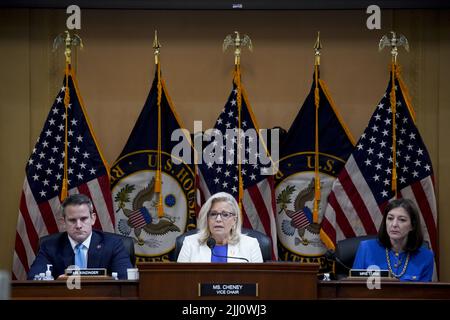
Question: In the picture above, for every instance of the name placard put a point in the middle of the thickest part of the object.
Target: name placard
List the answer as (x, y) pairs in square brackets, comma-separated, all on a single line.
[(228, 289), (88, 272), (363, 273)]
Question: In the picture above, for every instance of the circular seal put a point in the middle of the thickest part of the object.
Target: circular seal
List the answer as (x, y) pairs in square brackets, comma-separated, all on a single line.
[(297, 231), (136, 202)]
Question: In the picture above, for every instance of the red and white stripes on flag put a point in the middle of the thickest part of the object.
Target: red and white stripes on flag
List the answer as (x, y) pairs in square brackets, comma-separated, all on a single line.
[(219, 169), (364, 186), (139, 218), (300, 220), (40, 205), (259, 210)]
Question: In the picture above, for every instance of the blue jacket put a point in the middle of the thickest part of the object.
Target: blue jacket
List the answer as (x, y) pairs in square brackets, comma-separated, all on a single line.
[(420, 266), (105, 251)]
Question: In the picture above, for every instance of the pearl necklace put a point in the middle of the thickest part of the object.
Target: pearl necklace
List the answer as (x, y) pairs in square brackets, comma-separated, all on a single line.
[(390, 268)]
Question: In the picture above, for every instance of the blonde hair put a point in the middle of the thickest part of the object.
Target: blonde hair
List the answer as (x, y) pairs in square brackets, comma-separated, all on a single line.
[(202, 221)]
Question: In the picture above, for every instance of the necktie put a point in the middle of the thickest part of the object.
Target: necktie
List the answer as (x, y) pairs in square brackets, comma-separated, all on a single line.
[(79, 256)]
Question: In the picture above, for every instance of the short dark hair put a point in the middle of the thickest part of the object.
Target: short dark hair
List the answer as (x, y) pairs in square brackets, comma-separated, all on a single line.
[(77, 200), (415, 236)]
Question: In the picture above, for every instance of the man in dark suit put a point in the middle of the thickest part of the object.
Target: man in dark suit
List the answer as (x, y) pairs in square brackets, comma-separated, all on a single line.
[(80, 245)]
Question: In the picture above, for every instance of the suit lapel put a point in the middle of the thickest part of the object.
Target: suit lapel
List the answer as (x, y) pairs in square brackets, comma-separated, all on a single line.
[(233, 251), (68, 256), (95, 250), (205, 253)]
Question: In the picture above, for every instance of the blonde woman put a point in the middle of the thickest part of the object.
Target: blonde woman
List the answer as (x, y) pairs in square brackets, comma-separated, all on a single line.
[(219, 237)]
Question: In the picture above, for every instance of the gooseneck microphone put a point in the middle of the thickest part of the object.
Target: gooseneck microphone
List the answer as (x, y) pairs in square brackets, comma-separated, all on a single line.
[(331, 255), (211, 243)]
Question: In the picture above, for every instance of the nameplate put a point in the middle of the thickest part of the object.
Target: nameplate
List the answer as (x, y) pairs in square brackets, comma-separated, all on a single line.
[(228, 289), (363, 273), (88, 272)]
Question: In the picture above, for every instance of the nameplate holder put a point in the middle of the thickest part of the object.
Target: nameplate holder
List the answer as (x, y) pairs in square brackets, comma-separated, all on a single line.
[(227, 289), (363, 273), (88, 272)]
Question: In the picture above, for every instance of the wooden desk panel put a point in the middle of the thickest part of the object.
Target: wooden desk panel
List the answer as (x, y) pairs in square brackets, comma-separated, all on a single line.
[(90, 290), (181, 288), (389, 290), (276, 281)]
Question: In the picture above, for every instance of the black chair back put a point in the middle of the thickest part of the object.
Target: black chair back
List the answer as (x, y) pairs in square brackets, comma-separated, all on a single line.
[(346, 252), (127, 243), (265, 243)]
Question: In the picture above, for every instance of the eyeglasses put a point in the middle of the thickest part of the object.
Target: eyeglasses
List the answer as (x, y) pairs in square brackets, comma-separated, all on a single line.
[(224, 214)]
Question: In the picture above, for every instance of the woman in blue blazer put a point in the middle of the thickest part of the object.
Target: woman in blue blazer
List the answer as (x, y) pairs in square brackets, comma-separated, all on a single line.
[(399, 247)]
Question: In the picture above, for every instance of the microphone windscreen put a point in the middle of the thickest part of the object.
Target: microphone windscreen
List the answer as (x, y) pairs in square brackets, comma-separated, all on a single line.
[(211, 243)]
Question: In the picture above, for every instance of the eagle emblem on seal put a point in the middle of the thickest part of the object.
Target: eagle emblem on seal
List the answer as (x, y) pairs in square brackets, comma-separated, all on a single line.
[(301, 217), (139, 217)]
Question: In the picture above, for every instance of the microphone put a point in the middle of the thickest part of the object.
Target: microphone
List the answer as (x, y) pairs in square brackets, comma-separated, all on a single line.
[(211, 243), (331, 255)]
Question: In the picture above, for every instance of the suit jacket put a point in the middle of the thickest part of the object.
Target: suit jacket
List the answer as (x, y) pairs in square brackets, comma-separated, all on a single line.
[(105, 251), (193, 251)]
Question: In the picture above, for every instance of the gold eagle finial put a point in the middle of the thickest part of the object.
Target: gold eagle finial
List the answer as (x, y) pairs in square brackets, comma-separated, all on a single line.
[(238, 42), (394, 42), (68, 41)]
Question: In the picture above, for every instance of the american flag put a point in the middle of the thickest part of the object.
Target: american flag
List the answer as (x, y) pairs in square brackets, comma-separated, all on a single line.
[(39, 209), (364, 186), (258, 202)]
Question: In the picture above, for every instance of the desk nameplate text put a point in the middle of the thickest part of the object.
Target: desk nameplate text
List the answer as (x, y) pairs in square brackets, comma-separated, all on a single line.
[(228, 289)]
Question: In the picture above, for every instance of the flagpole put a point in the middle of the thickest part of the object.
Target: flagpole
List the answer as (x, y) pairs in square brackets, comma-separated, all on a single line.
[(65, 182), (68, 41), (237, 64), (393, 100), (394, 43), (158, 180), (238, 142), (317, 48), (238, 42)]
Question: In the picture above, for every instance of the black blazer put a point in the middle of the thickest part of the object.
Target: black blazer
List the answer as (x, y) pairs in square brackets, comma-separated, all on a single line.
[(105, 251)]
